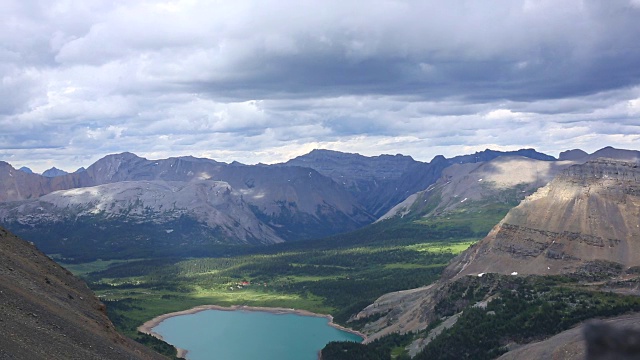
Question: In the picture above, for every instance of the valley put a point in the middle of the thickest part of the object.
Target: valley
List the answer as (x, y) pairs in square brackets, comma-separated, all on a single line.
[(424, 258), (394, 179), (332, 277)]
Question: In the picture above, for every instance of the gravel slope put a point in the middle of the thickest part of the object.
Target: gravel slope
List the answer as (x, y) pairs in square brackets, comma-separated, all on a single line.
[(47, 313)]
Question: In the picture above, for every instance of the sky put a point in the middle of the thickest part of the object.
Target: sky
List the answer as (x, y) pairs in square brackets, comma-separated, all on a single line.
[(268, 80)]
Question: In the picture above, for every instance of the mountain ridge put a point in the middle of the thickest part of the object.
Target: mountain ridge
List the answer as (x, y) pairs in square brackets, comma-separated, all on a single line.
[(584, 223), (401, 177), (319, 194), (559, 225)]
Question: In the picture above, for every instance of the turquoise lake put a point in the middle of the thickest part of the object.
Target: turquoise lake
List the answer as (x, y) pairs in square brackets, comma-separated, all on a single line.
[(250, 335)]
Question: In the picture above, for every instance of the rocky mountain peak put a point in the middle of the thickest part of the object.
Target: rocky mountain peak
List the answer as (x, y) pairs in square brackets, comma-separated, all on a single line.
[(108, 168), (489, 154), (602, 169), (620, 154), (54, 172), (438, 159), (591, 212), (575, 154)]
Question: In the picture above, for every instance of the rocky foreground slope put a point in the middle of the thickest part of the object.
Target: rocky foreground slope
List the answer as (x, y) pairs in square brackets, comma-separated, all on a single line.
[(617, 341), (47, 313)]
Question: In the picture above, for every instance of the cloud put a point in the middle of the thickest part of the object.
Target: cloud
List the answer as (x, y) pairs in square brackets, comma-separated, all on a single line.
[(257, 81)]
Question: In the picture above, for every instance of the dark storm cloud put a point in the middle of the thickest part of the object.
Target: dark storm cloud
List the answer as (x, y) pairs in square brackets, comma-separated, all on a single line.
[(164, 78), (510, 50)]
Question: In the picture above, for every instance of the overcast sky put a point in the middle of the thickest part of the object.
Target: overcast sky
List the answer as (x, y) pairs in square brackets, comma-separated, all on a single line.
[(266, 80)]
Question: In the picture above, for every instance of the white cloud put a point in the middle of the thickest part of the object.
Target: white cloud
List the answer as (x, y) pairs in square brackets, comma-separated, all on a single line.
[(501, 114), (261, 81), (634, 106)]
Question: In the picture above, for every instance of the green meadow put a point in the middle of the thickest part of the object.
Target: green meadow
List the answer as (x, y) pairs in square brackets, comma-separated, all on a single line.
[(339, 275), (338, 280)]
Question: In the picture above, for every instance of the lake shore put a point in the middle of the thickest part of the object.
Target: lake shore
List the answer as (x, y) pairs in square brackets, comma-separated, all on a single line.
[(148, 326)]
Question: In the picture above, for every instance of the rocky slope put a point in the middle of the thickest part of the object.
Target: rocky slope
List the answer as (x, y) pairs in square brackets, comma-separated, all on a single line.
[(381, 182), (571, 344), (589, 212), (219, 209), (295, 197), (265, 204), (47, 313), (503, 181), (585, 220), (378, 182)]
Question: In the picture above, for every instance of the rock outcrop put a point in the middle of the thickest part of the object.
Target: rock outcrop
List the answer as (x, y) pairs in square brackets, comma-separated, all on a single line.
[(505, 180), (590, 212), (211, 203)]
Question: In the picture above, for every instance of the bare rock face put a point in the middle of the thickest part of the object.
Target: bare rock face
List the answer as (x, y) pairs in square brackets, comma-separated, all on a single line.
[(262, 205), (381, 182), (575, 154), (47, 313), (503, 180), (590, 212), (212, 203), (400, 311)]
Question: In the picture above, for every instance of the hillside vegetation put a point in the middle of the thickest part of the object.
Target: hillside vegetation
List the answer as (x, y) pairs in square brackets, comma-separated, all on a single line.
[(338, 276)]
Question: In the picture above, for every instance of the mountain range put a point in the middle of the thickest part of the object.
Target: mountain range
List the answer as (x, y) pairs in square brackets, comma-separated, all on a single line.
[(576, 216), (151, 207)]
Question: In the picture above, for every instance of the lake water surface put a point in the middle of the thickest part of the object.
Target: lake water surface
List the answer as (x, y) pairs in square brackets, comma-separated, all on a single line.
[(250, 335)]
